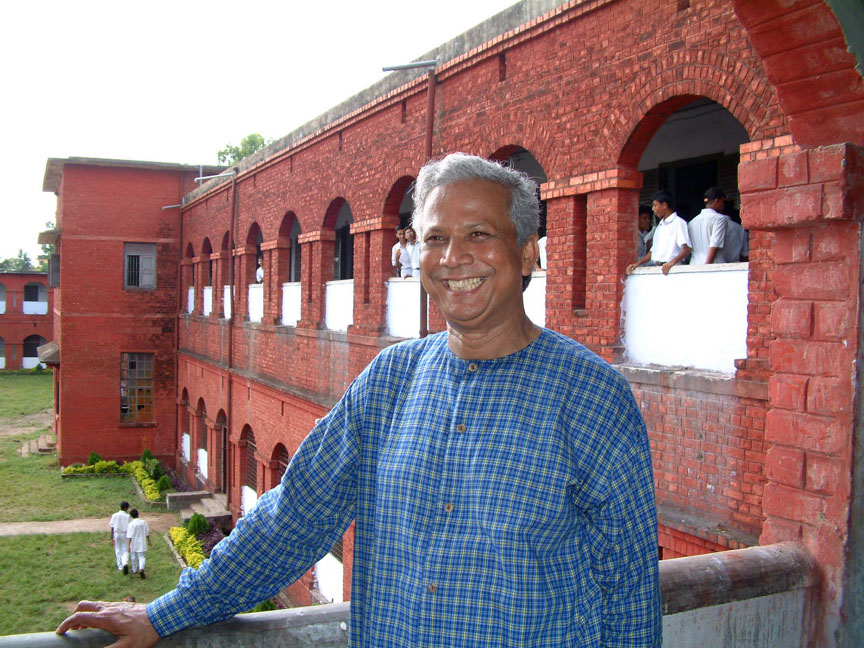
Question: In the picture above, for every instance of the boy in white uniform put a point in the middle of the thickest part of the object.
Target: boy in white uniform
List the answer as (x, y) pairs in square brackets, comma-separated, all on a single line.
[(138, 534), (119, 523)]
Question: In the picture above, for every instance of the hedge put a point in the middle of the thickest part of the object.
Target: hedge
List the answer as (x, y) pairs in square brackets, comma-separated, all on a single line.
[(187, 546)]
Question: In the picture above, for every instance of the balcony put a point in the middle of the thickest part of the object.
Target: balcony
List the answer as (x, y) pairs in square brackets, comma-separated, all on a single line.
[(290, 303), (190, 299), (34, 307), (226, 301), (207, 306), (749, 597), (256, 302), (696, 316), (339, 305)]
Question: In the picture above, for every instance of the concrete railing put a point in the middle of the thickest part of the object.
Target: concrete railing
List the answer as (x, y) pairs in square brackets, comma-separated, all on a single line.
[(291, 296), (758, 596), (339, 304)]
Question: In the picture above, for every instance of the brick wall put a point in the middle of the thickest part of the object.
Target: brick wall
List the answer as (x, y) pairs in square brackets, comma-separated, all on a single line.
[(15, 325)]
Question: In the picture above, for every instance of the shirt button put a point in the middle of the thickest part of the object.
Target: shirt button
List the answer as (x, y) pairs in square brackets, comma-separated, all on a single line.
[(448, 507), (433, 588), (460, 427), (472, 367)]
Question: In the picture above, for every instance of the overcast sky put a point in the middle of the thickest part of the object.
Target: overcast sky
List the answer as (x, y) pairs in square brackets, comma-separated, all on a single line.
[(175, 81)]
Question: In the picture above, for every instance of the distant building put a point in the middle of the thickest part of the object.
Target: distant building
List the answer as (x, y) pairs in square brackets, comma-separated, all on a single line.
[(26, 304), (748, 375)]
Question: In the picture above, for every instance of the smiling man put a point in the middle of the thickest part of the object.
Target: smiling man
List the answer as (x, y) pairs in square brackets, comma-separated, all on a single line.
[(498, 473)]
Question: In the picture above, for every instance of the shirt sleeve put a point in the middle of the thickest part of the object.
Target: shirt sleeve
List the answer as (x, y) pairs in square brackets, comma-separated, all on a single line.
[(683, 234), (289, 529), (618, 506), (718, 232)]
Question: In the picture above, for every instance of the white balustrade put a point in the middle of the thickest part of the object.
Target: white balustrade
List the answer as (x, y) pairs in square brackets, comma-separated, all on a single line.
[(186, 449), (256, 302), (339, 305), (248, 499), (202, 462), (207, 306), (291, 303), (35, 307), (226, 301), (190, 299)]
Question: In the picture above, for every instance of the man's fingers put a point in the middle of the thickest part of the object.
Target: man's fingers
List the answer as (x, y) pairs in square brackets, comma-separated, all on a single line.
[(81, 620), (89, 606)]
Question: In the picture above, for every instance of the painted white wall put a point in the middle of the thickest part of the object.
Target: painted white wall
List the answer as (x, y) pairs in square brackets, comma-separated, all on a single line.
[(2, 306), (202, 462), (291, 303), (403, 307), (534, 298), (328, 573), (207, 306), (256, 302), (186, 442), (31, 363), (248, 499), (2, 362), (226, 299), (190, 299), (34, 307), (339, 305), (696, 316)]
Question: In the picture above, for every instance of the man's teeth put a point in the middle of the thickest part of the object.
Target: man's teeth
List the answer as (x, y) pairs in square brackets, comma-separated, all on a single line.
[(465, 284)]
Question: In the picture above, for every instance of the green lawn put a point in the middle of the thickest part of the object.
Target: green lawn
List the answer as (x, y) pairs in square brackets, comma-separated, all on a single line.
[(25, 393), (44, 576)]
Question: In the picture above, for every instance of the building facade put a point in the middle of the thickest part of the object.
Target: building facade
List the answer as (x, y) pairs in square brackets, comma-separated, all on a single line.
[(26, 321), (747, 373)]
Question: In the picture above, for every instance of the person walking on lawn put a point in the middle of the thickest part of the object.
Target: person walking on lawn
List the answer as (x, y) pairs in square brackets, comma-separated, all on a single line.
[(138, 534), (119, 523)]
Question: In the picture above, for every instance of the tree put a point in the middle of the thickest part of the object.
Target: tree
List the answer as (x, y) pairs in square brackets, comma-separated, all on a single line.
[(21, 263), (47, 251), (248, 145)]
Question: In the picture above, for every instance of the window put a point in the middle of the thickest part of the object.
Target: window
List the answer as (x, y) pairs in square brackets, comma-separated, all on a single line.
[(251, 463), (136, 387), (139, 268), (31, 292), (54, 271)]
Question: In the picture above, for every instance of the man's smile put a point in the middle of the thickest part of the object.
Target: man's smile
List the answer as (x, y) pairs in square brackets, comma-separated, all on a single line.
[(461, 285)]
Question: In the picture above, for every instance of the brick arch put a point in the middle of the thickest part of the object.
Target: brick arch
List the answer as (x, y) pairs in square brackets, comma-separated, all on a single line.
[(332, 213), (522, 131), (678, 79)]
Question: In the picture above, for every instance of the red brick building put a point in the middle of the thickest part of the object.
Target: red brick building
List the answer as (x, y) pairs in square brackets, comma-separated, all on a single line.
[(26, 305), (602, 102)]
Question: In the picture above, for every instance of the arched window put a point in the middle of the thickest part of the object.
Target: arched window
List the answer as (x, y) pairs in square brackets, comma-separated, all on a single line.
[(2, 299), (251, 477), (343, 255), (30, 358), (35, 299)]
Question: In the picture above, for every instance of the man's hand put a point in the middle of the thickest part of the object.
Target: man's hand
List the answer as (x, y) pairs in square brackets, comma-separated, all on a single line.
[(127, 621), (667, 267)]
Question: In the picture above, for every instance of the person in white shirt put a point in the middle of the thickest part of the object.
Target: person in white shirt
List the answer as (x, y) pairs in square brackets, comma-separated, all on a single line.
[(138, 534), (398, 249), (708, 229), (736, 247), (259, 272), (413, 247), (118, 524), (671, 241), (646, 231)]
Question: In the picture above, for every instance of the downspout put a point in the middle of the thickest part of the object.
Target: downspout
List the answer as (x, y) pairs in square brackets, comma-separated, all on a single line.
[(179, 310), (232, 291)]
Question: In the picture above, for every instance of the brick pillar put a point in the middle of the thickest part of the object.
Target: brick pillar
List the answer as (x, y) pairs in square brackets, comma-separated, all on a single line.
[(609, 201), (373, 240), (271, 280), (216, 284), (198, 282), (316, 271), (280, 269), (187, 268), (805, 206), (244, 276)]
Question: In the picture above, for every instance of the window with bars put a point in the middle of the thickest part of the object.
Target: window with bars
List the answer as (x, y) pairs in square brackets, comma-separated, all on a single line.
[(136, 387), (284, 460), (139, 268), (251, 463)]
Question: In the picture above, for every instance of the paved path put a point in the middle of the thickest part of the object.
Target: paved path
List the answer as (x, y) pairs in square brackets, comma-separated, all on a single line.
[(157, 521)]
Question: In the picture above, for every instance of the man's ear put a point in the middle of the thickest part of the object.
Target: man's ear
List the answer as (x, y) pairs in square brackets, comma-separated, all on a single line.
[(530, 253)]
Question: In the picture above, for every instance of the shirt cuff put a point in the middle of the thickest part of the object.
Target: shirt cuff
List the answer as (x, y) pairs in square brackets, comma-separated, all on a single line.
[(168, 614)]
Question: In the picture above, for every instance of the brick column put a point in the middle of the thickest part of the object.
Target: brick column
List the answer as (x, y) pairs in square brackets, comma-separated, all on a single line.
[(317, 269), (805, 207), (608, 202), (187, 268), (280, 269), (198, 283), (244, 259), (271, 281), (373, 239), (216, 284)]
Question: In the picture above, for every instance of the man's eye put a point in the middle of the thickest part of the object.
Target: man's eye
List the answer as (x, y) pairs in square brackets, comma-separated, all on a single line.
[(479, 234)]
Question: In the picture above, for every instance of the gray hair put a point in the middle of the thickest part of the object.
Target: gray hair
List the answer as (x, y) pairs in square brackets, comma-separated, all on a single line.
[(524, 204)]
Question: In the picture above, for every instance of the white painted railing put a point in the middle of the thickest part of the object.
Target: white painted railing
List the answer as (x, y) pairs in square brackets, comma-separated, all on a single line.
[(202, 462), (403, 307), (256, 302), (2, 362), (291, 303), (35, 307), (2, 307), (31, 363), (207, 306), (328, 574), (534, 298), (339, 305), (186, 447), (226, 301), (190, 299), (248, 499), (696, 316)]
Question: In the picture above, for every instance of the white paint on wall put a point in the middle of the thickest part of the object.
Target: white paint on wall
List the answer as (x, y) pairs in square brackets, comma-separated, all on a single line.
[(339, 305)]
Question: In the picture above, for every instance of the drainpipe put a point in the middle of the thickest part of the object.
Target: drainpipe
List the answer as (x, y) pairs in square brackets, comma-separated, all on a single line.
[(229, 422), (179, 207)]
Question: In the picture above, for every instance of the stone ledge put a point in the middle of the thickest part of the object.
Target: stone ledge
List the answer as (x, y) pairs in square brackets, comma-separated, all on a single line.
[(708, 382)]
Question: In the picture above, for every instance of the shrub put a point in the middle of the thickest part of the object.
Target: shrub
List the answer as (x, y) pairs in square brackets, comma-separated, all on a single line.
[(151, 491), (265, 606), (197, 524), (100, 467), (210, 539), (163, 483), (146, 455), (92, 458), (187, 546)]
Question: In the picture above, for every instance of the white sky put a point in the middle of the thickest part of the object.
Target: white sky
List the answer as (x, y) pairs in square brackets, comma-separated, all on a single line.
[(175, 81)]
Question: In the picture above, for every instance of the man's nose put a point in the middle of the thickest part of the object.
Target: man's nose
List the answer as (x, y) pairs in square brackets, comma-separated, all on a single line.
[(456, 253)]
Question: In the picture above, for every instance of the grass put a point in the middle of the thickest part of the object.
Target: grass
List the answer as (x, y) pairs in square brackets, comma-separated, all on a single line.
[(48, 497), (25, 393), (46, 575)]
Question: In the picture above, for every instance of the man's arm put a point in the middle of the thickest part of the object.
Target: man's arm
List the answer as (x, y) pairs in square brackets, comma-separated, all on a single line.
[(717, 239), (685, 250), (645, 258)]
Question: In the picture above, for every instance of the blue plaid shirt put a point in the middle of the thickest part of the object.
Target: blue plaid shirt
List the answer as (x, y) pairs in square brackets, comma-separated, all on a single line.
[(504, 502)]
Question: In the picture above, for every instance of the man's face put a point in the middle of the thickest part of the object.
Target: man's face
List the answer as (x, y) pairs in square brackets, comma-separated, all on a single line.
[(470, 263), (644, 221), (400, 234), (411, 235), (661, 209), (717, 204)]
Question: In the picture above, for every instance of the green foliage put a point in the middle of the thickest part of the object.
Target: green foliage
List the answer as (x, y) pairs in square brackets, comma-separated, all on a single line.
[(47, 250), (146, 455), (248, 145), (21, 263), (97, 468), (265, 606), (137, 470), (187, 546), (25, 393), (164, 483), (93, 458), (153, 468), (46, 574), (197, 524)]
